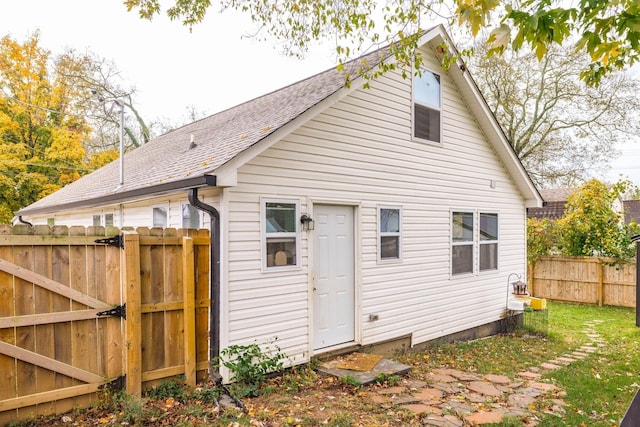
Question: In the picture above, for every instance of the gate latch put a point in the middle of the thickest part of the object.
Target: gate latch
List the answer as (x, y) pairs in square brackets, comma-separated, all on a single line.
[(119, 311), (117, 241)]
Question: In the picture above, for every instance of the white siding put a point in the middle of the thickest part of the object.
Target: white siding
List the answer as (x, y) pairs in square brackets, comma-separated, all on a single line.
[(361, 150), (134, 214)]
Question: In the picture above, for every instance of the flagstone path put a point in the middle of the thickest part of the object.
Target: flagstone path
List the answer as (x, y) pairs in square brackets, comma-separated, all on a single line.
[(453, 398)]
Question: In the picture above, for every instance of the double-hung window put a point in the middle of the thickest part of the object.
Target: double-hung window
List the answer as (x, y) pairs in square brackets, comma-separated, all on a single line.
[(427, 101), (280, 233), (462, 243), (488, 241), (104, 219), (474, 235), (389, 237)]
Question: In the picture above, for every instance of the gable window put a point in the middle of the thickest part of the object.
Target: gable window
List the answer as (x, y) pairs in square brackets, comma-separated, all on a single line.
[(388, 233), (280, 233), (488, 241), (462, 242), (426, 106), (160, 217), (190, 216)]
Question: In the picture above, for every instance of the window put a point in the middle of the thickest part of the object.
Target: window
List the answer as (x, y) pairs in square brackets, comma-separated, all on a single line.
[(464, 238), (462, 243), (426, 106), (388, 233), (280, 233), (488, 241), (97, 220), (160, 217), (190, 216), (108, 220), (51, 222)]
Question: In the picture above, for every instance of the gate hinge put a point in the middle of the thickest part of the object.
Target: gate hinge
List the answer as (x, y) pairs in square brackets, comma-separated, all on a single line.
[(118, 383), (119, 311), (113, 241)]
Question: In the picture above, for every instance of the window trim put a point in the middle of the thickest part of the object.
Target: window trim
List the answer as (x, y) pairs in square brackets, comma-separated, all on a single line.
[(413, 109), (381, 234), (476, 242), (264, 235)]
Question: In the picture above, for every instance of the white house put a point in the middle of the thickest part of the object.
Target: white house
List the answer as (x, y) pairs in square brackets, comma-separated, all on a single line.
[(348, 216)]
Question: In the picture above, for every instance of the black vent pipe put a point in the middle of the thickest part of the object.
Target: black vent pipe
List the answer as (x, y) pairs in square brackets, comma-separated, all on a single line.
[(214, 252)]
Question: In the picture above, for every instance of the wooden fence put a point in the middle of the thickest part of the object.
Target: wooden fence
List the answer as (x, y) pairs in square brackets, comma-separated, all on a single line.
[(588, 280), (76, 315)]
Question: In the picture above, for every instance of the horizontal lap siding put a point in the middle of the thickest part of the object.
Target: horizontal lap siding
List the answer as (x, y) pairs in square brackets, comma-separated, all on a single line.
[(136, 214), (361, 150)]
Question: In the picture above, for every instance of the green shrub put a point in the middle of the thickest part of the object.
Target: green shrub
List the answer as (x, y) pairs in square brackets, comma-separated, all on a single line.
[(249, 366)]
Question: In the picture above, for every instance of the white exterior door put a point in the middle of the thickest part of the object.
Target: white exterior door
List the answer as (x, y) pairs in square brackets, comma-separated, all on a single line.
[(334, 277)]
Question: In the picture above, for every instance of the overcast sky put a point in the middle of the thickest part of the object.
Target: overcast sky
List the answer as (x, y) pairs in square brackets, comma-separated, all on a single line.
[(213, 67)]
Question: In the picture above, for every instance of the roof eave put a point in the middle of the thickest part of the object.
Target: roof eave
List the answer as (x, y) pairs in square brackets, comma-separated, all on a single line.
[(121, 197)]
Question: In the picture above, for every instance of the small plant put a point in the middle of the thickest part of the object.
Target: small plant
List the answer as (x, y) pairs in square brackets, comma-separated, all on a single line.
[(383, 378), (175, 388), (350, 380), (250, 365)]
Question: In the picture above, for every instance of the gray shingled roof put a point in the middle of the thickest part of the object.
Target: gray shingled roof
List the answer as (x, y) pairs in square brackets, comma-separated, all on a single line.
[(218, 138)]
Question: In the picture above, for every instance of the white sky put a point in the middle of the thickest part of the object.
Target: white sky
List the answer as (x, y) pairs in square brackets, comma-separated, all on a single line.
[(212, 68)]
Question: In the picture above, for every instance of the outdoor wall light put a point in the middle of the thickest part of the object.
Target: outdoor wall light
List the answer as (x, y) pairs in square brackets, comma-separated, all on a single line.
[(307, 222)]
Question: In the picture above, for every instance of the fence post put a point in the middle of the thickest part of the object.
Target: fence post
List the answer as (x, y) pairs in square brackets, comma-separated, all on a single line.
[(133, 329), (188, 288), (600, 282), (530, 267)]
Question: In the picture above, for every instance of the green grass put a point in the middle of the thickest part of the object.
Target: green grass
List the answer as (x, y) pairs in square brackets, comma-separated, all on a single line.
[(598, 388), (601, 387)]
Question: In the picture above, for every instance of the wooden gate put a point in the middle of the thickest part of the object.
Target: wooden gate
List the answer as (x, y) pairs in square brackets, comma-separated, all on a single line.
[(77, 315)]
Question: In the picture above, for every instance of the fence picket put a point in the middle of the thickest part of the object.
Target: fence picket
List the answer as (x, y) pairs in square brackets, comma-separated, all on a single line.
[(587, 280), (54, 353)]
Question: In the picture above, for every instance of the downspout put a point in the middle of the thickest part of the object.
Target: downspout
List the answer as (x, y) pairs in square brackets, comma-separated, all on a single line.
[(24, 221), (214, 252)]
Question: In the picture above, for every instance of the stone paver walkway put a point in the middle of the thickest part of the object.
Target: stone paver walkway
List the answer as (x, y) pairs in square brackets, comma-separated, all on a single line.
[(453, 398)]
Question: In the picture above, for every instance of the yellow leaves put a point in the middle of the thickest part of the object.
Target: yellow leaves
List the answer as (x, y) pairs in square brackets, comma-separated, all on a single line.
[(102, 158), (66, 147)]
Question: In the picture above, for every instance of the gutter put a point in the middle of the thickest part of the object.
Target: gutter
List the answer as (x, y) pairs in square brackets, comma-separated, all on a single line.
[(119, 197), (214, 252)]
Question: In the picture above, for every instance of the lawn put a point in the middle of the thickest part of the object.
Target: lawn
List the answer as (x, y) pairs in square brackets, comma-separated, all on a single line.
[(596, 390)]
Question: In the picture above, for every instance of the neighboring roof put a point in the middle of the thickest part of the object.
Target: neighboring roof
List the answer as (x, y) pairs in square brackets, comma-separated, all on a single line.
[(168, 163), (557, 194), (550, 210), (555, 202)]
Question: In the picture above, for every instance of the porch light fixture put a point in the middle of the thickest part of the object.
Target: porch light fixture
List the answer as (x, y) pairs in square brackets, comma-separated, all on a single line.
[(307, 222)]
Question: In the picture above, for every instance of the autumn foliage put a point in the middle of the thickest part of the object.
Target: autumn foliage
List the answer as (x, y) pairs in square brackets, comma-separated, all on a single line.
[(591, 226), (43, 125)]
